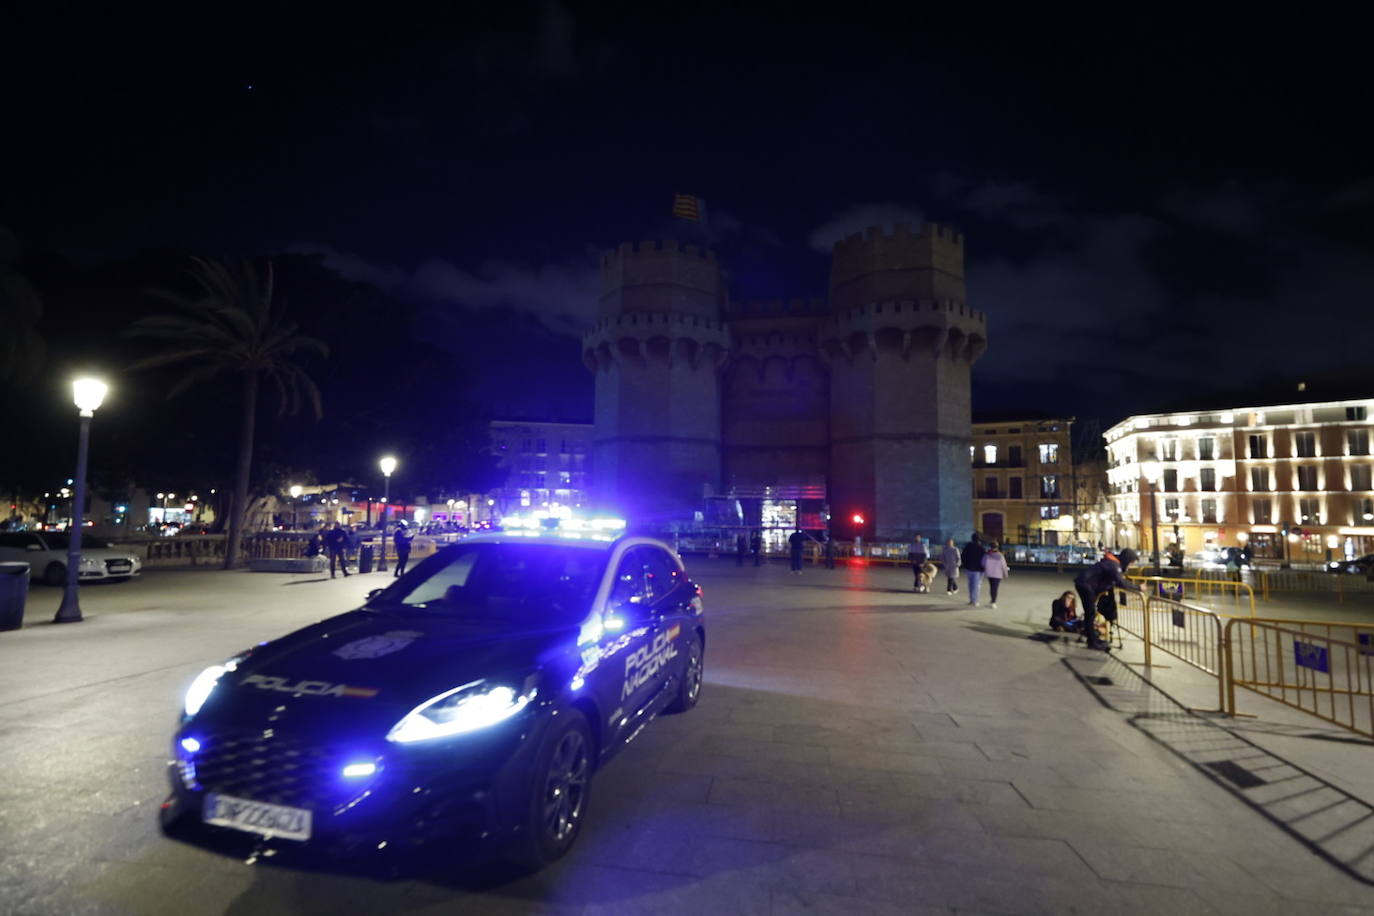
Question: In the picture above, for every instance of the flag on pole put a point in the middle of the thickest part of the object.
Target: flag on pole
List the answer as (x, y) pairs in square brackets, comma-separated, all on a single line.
[(685, 206)]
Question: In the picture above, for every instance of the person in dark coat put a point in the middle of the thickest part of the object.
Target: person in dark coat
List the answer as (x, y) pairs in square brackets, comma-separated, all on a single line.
[(829, 551), (795, 544), (403, 538), (315, 546), (949, 559), (1103, 576), (336, 542), (918, 555), (972, 560), (741, 548), (756, 546), (1063, 613)]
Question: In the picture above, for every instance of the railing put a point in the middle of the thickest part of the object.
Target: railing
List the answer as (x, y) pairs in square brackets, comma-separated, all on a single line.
[(1193, 635), (1242, 594), (1308, 666)]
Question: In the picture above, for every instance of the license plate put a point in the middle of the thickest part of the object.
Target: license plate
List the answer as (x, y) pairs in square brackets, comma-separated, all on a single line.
[(257, 817), (121, 567)]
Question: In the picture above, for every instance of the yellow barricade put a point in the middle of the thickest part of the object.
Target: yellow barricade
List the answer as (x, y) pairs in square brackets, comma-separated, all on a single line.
[(1241, 593)]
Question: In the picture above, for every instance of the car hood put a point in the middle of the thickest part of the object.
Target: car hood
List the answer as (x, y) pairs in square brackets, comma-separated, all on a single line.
[(365, 669)]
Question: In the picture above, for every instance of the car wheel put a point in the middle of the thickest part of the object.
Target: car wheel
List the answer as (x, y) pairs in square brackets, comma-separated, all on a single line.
[(559, 792), (689, 690), (55, 574)]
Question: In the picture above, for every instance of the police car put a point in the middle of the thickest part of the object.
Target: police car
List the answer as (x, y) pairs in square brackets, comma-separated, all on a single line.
[(475, 696)]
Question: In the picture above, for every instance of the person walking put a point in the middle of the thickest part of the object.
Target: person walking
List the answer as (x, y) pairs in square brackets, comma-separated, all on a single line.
[(795, 544), (950, 561), (829, 551), (995, 568), (918, 556), (336, 542), (741, 548), (756, 546), (353, 542), (972, 560), (403, 538), (1104, 575)]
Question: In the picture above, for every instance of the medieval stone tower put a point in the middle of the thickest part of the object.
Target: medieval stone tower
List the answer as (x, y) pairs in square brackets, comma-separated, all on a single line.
[(657, 351), (859, 402)]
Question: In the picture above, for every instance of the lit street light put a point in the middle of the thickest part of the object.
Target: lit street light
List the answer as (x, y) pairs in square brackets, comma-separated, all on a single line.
[(295, 501), (88, 394), (388, 465)]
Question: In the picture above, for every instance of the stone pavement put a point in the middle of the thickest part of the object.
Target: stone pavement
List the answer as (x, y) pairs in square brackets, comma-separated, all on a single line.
[(858, 749)]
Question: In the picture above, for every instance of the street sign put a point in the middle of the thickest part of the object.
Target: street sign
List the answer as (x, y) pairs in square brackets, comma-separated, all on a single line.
[(1311, 655), (1179, 620)]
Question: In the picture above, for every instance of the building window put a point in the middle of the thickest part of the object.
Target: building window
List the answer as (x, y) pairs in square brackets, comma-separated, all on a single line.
[(1358, 440), (990, 488), (1207, 479), (564, 477), (1259, 480), (1014, 488), (1168, 450), (1355, 413), (1258, 447), (1264, 510), (972, 453), (1309, 511), (541, 447), (1049, 512), (1209, 511), (1367, 510), (539, 481), (1305, 445), (989, 454), (1049, 453), (1171, 481), (1014, 456), (1360, 477), (1049, 486), (1307, 477), (1206, 448), (1171, 507)]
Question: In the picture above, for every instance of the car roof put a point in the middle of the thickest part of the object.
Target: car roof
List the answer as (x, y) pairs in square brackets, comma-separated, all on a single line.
[(588, 540)]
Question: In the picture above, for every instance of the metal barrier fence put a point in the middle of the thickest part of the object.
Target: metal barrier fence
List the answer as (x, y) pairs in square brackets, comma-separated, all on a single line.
[(1241, 594), (1192, 635), (1305, 666)]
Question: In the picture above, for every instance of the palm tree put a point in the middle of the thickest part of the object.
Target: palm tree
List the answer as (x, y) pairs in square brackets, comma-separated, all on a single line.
[(232, 325)]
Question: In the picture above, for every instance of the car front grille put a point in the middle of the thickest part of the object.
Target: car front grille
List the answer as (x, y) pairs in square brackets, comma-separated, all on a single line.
[(118, 567), (262, 766)]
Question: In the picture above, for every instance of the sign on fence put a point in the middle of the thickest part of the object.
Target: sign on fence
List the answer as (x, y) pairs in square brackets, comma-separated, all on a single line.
[(1179, 620), (1366, 641), (1310, 655)]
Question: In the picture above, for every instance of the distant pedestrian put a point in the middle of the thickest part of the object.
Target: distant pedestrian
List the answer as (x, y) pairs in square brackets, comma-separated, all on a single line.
[(972, 560), (795, 545), (741, 548), (403, 538), (336, 542), (315, 546), (950, 561), (353, 542), (756, 546), (918, 554), (995, 568), (829, 551)]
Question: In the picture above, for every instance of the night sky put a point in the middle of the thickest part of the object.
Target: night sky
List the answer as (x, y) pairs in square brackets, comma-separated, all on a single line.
[(1158, 203)]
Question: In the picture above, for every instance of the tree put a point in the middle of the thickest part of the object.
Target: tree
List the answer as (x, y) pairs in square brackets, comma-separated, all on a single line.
[(232, 325)]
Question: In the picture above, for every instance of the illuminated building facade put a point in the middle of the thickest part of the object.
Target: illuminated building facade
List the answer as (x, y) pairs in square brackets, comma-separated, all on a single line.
[(857, 403), (1023, 481), (546, 466), (1225, 478)]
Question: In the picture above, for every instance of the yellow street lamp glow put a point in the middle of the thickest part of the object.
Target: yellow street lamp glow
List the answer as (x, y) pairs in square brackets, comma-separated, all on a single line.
[(388, 464), (1150, 470), (295, 491), (89, 394)]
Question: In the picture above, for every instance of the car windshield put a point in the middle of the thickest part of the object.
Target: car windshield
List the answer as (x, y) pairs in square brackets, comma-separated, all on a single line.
[(61, 540), (528, 583)]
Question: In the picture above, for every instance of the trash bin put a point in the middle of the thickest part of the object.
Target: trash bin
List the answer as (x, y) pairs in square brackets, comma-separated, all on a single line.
[(14, 590), (365, 558)]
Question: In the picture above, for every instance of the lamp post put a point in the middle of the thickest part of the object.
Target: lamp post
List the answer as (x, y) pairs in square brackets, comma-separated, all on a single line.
[(295, 501), (1150, 471), (88, 394), (388, 464)]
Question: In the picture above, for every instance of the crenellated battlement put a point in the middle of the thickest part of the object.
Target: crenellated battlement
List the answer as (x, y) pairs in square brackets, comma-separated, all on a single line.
[(655, 248), (901, 233), (908, 308), (651, 321), (661, 276), (903, 263)]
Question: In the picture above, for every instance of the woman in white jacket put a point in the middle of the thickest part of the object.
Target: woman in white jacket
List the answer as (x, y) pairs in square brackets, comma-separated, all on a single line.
[(995, 570)]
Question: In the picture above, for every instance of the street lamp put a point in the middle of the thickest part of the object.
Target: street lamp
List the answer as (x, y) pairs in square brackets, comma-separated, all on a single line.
[(88, 394), (295, 501), (387, 464), (1150, 471)]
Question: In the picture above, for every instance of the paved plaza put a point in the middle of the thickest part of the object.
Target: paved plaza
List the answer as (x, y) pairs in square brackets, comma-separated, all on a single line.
[(858, 749)]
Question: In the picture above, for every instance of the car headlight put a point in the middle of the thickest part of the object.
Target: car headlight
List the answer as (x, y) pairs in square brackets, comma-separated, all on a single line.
[(205, 682), (474, 706)]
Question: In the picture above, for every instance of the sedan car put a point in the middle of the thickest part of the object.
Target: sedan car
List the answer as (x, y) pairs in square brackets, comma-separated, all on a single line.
[(1360, 566), (475, 697), (46, 554)]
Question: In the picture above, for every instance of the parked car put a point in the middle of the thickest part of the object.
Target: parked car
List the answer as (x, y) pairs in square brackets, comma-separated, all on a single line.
[(46, 554)]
